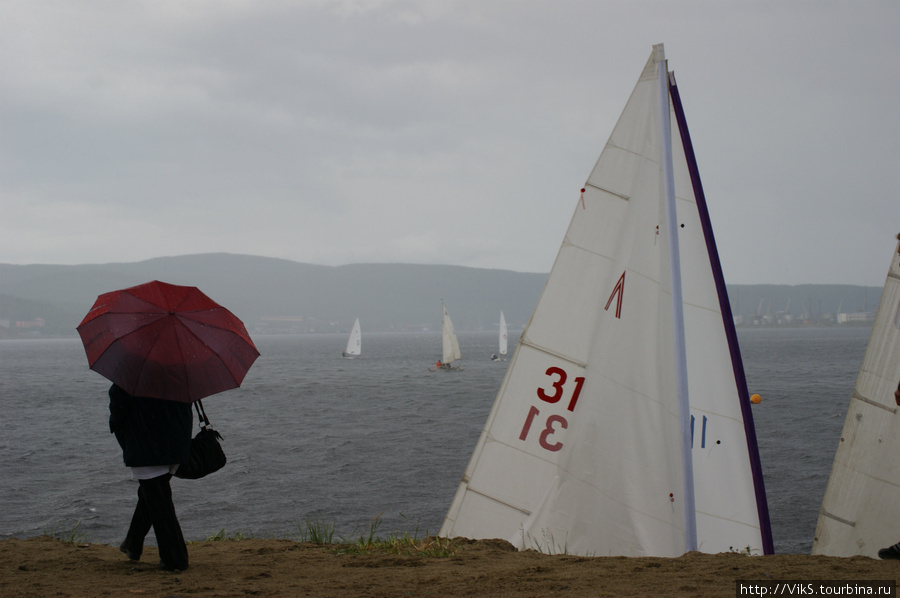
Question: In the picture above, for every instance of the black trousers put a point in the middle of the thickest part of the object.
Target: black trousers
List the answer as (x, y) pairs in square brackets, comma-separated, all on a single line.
[(155, 509)]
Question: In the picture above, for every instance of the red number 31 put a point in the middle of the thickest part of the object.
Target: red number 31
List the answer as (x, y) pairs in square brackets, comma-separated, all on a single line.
[(559, 377), (558, 387)]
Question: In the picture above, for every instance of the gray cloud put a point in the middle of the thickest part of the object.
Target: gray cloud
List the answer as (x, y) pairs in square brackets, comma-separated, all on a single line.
[(436, 132)]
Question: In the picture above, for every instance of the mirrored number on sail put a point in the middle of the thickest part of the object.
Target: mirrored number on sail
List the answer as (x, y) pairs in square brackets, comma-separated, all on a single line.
[(553, 394), (548, 431)]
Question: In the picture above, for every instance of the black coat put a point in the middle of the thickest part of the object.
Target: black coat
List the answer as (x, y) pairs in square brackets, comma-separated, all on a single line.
[(150, 431)]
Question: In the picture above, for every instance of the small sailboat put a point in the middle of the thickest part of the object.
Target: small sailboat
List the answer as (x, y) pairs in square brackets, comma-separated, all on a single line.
[(623, 424), (502, 340), (354, 342), (859, 510), (449, 345)]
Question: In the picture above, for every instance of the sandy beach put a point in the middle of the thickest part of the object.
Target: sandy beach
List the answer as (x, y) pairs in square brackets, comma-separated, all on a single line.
[(46, 566)]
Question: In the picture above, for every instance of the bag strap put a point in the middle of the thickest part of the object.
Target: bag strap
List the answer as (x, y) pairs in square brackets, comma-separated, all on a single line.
[(204, 421), (201, 414)]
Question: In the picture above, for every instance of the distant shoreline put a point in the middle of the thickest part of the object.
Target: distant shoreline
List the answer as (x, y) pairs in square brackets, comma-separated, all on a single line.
[(280, 296), (5, 334)]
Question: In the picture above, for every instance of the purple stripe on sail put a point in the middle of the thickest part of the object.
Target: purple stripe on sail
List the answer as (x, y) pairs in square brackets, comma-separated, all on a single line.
[(762, 506)]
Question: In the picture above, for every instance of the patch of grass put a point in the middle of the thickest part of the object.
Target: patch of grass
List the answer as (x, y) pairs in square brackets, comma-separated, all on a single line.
[(316, 531), (548, 545), (221, 536), (427, 546), (397, 543), (364, 542), (73, 536)]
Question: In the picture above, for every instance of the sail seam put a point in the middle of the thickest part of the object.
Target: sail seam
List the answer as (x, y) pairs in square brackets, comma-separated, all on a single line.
[(605, 190), (701, 307), (838, 519), (859, 397), (631, 152), (553, 353), (489, 497)]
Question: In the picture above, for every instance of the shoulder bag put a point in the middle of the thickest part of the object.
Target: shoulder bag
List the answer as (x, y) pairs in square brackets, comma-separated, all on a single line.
[(207, 455)]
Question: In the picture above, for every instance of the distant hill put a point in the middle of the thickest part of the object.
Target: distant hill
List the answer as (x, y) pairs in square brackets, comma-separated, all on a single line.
[(280, 295), (276, 294)]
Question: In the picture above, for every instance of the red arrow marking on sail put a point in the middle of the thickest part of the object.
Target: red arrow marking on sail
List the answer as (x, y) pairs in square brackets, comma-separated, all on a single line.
[(617, 292), (582, 199)]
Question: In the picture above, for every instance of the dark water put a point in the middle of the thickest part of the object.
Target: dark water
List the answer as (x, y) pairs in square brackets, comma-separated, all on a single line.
[(313, 436)]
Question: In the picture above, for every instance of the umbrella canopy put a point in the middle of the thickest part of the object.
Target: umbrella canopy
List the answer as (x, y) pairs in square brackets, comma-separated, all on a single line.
[(166, 341)]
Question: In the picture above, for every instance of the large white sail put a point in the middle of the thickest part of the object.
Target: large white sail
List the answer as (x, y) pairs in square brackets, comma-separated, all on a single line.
[(503, 334), (859, 510), (450, 343), (582, 451), (354, 342)]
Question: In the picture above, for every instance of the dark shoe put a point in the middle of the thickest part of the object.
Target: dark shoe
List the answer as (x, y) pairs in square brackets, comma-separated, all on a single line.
[(134, 556), (891, 552), (165, 567)]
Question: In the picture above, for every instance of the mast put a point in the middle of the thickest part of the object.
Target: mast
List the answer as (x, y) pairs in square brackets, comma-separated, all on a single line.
[(684, 411)]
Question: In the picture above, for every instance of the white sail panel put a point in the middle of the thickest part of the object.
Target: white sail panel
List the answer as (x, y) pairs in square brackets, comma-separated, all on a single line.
[(581, 451), (503, 334), (727, 514), (860, 503), (450, 345), (575, 332), (354, 342)]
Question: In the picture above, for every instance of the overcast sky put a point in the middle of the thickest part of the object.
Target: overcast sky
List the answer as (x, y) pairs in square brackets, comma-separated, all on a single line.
[(437, 131)]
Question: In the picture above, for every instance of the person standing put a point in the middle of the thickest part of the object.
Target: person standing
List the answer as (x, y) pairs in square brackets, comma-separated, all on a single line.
[(155, 436)]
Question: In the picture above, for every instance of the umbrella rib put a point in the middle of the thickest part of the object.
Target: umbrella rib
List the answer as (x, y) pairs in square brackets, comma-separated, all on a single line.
[(203, 342), (187, 374), (118, 340), (226, 329), (143, 361)]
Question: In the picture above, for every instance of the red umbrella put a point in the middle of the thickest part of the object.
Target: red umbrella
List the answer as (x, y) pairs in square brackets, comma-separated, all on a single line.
[(166, 341)]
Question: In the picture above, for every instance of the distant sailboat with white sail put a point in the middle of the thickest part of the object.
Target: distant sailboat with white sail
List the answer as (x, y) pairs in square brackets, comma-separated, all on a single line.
[(859, 510), (449, 344), (502, 340), (354, 342), (594, 445)]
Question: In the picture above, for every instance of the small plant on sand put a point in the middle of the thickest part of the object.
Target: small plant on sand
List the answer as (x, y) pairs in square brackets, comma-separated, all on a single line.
[(746, 551), (316, 531), (73, 536), (368, 541), (221, 536), (398, 543), (427, 546), (546, 546)]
